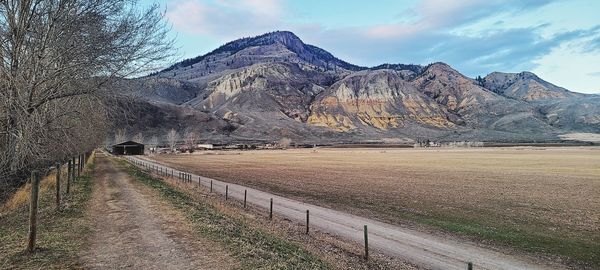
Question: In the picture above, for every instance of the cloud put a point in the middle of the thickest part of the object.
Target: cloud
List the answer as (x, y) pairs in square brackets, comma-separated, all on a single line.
[(443, 15), (594, 74), (434, 35), (430, 31), (594, 44), (225, 18), (508, 49)]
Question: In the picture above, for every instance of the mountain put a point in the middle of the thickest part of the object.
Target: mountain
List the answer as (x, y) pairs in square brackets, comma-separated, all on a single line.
[(525, 86), (280, 46), (274, 85)]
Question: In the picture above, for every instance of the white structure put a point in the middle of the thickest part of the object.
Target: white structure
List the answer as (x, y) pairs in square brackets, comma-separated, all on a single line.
[(204, 146)]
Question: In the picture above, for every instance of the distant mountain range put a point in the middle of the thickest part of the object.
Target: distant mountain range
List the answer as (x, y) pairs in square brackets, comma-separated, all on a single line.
[(274, 85)]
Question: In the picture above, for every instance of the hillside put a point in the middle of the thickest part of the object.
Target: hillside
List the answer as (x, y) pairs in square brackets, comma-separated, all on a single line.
[(274, 85)]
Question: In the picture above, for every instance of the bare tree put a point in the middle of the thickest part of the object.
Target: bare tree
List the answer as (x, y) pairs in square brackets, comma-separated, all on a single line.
[(120, 136), (59, 62), (153, 142), (190, 139), (172, 138), (284, 143), (139, 137)]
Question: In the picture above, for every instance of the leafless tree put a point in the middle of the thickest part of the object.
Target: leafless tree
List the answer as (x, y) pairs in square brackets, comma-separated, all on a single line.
[(153, 142), (59, 62), (284, 143), (139, 137), (172, 138), (120, 136), (190, 138)]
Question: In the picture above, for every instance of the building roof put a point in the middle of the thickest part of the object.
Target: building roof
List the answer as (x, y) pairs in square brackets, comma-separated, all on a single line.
[(129, 143)]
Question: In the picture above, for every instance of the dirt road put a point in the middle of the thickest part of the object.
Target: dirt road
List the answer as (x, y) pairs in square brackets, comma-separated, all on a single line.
[(134, 229), (429, 251)]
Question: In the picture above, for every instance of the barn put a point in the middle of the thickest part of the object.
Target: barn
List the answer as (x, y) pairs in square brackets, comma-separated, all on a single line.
[(128, 148)]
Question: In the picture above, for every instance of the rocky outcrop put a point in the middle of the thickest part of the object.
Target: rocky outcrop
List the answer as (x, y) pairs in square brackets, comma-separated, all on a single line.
[(380, 99)]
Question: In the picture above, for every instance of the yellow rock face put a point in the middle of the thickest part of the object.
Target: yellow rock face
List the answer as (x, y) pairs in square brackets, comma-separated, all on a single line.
[(338, 122)]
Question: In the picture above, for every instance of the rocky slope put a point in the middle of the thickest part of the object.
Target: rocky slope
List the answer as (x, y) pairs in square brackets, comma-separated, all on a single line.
[(525, 86), (274, 86)]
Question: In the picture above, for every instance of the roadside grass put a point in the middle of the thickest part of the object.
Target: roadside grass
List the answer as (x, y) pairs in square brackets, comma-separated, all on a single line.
[(569, 247), (252, 247), (60, 232)]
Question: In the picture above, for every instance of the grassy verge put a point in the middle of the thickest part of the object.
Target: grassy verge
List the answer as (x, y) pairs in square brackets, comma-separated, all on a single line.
[(253, 247), (569, 247), (60, 233)]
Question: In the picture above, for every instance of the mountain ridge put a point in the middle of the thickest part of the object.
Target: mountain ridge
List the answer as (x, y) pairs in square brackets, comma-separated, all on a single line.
[(274, 85)]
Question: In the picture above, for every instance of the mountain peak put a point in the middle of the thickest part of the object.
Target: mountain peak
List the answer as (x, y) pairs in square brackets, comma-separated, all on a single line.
[(269, 47), (282, 36), (525, 86), (441, 68)]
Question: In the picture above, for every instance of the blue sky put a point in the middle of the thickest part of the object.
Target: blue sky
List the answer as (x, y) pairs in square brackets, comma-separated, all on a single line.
[(558, 40)]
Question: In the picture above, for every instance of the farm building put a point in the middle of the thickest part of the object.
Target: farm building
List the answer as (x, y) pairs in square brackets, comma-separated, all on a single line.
[(128, 148)]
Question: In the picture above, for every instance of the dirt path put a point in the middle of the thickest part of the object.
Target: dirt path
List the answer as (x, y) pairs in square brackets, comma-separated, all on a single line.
[(133, 229), (427, 250)]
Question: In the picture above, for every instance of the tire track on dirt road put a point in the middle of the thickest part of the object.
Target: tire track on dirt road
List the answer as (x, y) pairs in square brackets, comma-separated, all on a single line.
[(430, 251), (133, 229)]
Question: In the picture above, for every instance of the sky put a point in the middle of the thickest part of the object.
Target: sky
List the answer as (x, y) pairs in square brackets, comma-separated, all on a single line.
[(558, 40)]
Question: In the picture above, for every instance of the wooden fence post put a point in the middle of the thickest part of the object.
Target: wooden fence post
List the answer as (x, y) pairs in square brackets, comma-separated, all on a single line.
[(366, 244), (210, 186), (199, 181), (69, 169), (470, 266), (307, 219), (74, 171), (33, 208), (271, 210), (58, 172), (226, 191), (245, 194)]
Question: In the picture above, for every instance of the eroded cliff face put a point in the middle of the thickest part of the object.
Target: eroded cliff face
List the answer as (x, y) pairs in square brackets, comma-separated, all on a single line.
[(379, 99), (269, 87)]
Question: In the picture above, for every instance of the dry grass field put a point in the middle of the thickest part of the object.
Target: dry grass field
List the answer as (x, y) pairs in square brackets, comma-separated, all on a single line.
[(540, 200)]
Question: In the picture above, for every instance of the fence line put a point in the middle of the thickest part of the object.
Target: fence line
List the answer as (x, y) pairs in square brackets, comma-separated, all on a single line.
[(72, 171)]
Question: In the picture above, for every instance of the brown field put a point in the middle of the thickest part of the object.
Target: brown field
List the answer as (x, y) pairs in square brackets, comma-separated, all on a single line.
[(540, 200)]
